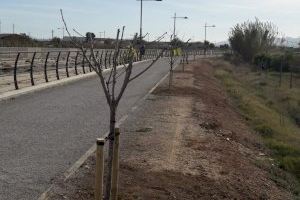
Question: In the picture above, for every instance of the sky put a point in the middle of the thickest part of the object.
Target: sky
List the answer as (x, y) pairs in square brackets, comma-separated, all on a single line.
[(38, 17)]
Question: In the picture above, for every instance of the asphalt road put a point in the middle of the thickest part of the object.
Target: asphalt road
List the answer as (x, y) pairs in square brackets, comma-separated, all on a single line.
[(44, 133)]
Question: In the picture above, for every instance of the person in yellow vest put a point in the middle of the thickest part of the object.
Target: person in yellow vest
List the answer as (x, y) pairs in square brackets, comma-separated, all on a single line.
[(177, 52)]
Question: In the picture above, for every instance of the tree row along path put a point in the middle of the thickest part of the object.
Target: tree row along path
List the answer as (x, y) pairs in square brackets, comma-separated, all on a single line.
[(42, 134), (188, 142)]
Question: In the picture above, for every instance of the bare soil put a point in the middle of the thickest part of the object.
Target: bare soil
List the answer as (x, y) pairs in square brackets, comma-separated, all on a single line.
[(187, 142)]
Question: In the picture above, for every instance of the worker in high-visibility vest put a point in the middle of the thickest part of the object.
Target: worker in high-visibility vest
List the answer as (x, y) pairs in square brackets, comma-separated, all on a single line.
[(177, 52)]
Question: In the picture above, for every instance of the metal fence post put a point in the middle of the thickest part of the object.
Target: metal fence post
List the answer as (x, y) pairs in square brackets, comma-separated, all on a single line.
[(31, 68), (105, 60), (118, 57), (15, 72), (101, 58), (97, 54), (109, 59), (67, 64), (56, 66), (123, 57), (83, 61), (90, 66), (45, 67), (76, 62)]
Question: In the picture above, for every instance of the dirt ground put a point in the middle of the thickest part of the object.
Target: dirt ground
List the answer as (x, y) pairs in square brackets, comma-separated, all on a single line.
[(187, 142)]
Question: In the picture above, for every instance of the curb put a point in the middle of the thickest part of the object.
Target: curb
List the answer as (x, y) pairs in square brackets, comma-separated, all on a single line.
[(84, 157), (32, 89)]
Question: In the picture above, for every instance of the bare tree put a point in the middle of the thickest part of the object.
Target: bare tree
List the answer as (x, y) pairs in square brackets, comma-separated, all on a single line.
[(109, 83), (174, 47)]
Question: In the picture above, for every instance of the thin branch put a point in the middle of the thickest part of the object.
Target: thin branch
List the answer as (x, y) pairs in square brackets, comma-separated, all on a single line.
[(126, 81), (110, 75), (159, 38), (99, 73), (78, 33), (115, 68)]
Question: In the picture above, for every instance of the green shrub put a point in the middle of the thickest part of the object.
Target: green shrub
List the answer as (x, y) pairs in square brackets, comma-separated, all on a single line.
[(284, 60), (264, 130), (270, 103), (265, 61), (282, 149), (262, 60), (291, 164), (227, 56), (263, 83), (251, 38), (295, 114)]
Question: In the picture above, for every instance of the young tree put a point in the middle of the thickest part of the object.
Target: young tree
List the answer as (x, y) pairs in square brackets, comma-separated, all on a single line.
[(89, 36), (109, 83), (56, 42), (251, 38), (175, 50)]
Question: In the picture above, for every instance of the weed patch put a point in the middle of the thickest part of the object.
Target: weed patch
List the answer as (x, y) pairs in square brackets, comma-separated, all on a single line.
[(272, 111)]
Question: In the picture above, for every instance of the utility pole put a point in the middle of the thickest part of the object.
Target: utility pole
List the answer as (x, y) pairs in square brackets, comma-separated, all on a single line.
[(13, 28), (63, 31), (174, 31), (141, 22), (205, 33), (175, 17), (0, 27), (101, 34), (52, 33)]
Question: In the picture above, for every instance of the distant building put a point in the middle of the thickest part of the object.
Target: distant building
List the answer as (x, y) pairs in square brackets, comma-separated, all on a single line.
[(6, 35), (78, 39)]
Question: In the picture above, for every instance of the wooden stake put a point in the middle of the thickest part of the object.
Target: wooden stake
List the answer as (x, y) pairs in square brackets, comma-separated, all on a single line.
[(115, 167), (99, 169)]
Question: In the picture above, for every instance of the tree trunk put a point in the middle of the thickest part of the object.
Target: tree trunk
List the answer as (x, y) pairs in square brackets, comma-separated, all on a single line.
[(110, 150), (280, 80), (291, 79), (187, 58), (171, 70)]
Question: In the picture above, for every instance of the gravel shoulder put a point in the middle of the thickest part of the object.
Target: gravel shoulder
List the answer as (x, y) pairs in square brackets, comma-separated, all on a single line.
[(187, 142)]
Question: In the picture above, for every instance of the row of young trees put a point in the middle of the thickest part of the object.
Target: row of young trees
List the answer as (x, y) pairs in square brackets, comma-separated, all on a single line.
[(115, 83)]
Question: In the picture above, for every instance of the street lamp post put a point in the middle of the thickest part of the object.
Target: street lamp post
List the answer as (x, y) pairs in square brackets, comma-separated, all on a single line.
[(63, 31), (171, 49), (205, 33), (101, 34), (141, 21), (52, 34), (175, 17)]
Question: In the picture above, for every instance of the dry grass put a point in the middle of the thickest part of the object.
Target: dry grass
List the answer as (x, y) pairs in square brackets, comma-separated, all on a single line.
[(271, 110)]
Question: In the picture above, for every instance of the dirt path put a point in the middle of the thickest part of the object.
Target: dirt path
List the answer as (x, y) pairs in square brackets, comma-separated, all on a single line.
[(186, 143)]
